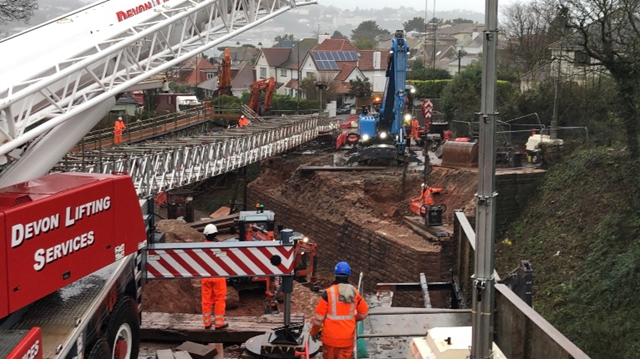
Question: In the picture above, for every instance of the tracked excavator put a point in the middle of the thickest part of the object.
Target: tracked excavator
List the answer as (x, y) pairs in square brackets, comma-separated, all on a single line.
[(259, 225), (260, 105), (383, 136)]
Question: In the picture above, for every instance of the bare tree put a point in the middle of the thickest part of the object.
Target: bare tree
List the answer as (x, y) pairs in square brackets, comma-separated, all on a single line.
[(17, 10), (608, 33), (528, 31)]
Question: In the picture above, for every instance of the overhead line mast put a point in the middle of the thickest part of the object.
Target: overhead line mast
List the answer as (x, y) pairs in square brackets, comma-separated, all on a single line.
[(484, 278)]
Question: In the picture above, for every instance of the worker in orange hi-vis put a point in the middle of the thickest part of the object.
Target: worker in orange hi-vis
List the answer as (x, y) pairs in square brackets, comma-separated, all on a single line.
[(448, 136), (118, 127), (427, 198), (243, 121), (415, 126), (336, 314), (214, 291)]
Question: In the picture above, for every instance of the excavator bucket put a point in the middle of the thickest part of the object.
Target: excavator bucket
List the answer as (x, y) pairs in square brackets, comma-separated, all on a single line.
[(460, 154)]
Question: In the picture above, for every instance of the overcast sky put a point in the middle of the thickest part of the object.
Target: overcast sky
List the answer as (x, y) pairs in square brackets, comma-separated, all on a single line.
[(474, 5)]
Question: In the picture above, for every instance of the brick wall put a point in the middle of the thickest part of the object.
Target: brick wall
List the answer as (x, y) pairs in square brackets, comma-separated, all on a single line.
[(380, 258)]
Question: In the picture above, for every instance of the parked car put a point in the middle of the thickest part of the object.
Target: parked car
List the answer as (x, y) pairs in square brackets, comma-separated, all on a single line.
[(345, 109)]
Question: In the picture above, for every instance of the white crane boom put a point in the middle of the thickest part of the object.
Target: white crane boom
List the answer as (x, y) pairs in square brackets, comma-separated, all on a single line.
[(60, 78)]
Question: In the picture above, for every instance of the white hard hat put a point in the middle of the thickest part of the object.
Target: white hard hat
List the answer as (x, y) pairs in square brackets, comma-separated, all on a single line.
[(210, 229), (119, 118)]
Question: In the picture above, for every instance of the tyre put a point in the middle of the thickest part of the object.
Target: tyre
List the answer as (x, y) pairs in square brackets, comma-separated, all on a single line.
[(100, 350), (123, 330)]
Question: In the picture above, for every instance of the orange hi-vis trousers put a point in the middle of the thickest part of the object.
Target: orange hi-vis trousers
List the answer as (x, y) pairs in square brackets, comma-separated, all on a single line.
[(214, 295), (329, 352)]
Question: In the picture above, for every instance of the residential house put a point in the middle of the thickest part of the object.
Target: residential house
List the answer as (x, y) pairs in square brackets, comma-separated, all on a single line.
[(576, 66), (242, 54), (194, 71), (242, 78), (128, 104), (268, 62), (460, 64), (290, 68)]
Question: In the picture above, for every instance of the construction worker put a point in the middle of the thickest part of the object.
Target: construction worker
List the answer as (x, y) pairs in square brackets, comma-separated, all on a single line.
[(427, 198), (243, 122), (118, 127), (214, 290), (336, 314), (448, 136), (415, 126)]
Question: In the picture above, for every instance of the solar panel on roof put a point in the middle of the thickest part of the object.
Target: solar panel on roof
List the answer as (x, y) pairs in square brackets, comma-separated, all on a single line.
[(316, 56), (323, 55), (320, 65), (333, 65), (354, 55)]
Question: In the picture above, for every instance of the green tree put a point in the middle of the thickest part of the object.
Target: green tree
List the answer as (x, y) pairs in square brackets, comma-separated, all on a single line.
[(368, 30), (419, 72), (361, 89), (607, 32), (415, 24), (338, 35), (364, 44), (460, 20), (283, 37), (17, 10), (461, 97)]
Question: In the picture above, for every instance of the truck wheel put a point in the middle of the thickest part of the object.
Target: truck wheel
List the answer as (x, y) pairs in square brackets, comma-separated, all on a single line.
[(123, 331), (100, 350)]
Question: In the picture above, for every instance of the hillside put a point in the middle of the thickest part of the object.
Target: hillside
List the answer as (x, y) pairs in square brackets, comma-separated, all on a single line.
[(581, 236)]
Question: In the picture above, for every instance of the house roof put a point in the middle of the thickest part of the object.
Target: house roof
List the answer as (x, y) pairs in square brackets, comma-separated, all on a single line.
[(210, 84), (346, 70), (366, 60), (286, 43), (298, 52), (342, 87), (244, 77), (276, 56), (461, 29), (190, 64), (292, 84), (242, 53), (126, 99), (335, 45)]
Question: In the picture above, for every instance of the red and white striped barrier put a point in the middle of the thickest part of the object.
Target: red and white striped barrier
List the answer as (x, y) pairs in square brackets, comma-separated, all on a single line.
[(235, 259)]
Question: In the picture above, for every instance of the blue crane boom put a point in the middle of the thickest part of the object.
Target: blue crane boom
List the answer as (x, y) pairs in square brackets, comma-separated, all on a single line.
[(383, 135)]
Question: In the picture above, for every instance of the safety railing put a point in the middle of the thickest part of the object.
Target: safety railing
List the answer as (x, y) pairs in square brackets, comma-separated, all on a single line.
[(165, 165)]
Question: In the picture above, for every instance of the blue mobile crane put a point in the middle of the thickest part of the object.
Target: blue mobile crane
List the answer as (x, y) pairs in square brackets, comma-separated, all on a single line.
[(383, 136)]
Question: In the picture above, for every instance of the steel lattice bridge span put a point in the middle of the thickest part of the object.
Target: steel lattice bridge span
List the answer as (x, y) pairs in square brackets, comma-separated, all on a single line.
[(168, 164)]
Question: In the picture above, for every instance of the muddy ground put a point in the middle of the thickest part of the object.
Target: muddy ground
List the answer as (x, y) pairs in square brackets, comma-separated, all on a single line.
[(378, 200)]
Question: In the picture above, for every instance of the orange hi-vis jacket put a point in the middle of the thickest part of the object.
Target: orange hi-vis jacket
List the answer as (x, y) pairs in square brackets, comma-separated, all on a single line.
[(427, 195), (118, 127), (336, 313)]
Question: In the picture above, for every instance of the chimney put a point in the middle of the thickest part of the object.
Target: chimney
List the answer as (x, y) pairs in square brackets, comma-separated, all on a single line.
[(323, 37), (377, 59)]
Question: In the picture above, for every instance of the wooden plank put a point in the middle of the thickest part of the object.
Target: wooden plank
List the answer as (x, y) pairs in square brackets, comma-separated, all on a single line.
[(164, 354), (182, 327), (435, 233), (182, 355)]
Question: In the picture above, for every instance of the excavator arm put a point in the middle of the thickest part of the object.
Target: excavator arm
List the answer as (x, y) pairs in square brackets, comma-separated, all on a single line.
[(224, 75)]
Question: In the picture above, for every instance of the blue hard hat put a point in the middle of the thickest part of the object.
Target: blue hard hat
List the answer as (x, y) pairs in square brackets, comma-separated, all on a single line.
[(342, 268)]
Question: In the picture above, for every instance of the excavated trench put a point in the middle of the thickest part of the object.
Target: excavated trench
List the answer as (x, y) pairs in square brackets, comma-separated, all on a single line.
[(355, 217)]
